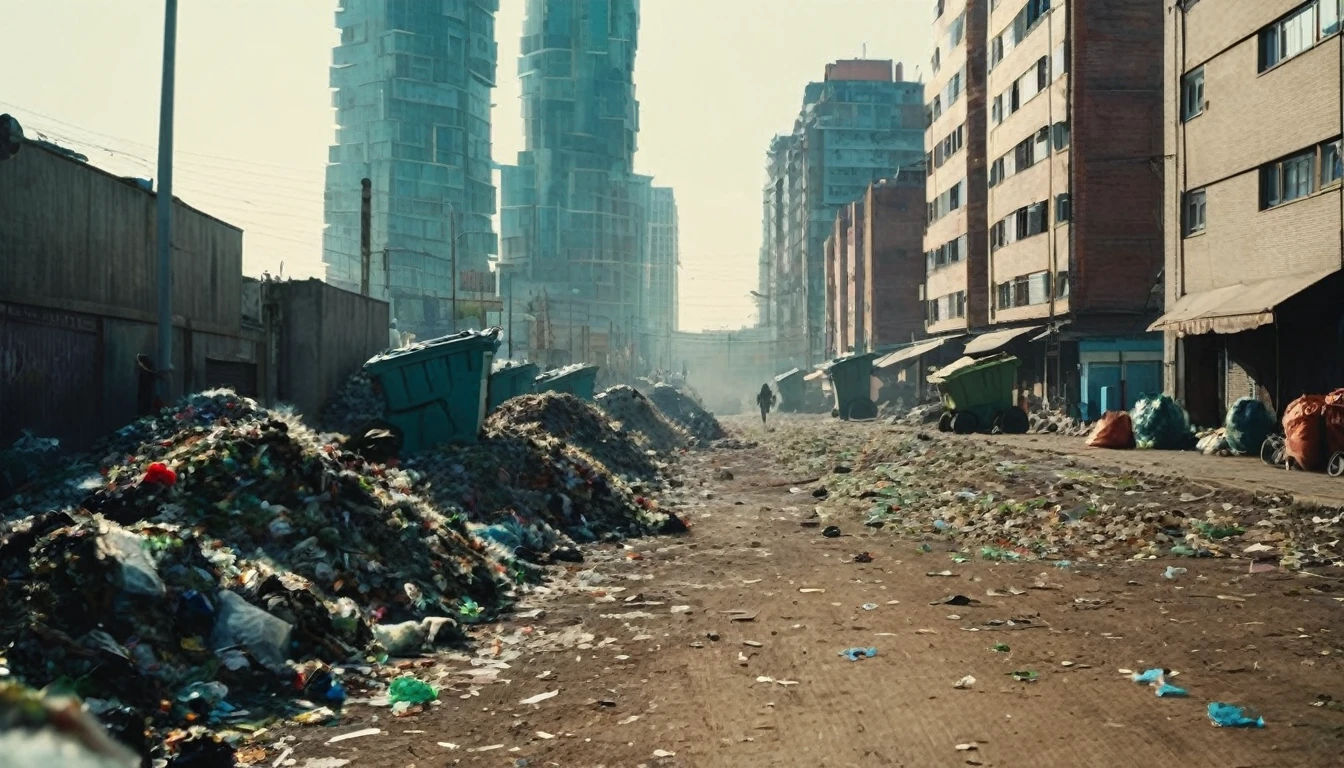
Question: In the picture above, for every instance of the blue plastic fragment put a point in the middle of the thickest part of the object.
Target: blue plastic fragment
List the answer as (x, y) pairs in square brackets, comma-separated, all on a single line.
[(854, 654), (1167, 689), (1148, 677), (1231, 716)]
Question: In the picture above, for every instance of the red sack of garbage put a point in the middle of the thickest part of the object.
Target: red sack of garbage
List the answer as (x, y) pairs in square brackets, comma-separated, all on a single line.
[(1114, 430), (159, 474), (1304, 434), (1334, 421)]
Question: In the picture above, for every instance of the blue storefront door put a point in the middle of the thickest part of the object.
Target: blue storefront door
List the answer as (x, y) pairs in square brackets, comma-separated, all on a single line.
[(1141, 379), (1101, 375)]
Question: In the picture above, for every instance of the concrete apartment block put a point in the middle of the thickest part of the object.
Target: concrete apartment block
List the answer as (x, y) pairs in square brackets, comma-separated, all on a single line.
[(1252, 215)]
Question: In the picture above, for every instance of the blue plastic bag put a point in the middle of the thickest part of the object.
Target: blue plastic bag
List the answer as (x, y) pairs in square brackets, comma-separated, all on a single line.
[(1230, 716)]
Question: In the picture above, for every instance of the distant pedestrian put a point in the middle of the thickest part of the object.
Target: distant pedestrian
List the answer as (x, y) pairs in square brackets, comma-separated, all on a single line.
[(393, 336), (766, 400)]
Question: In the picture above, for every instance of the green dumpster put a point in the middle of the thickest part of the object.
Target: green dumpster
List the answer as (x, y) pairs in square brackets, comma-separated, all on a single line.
[(978, 396), (792, 390), (850, 384), (509, 380), (578, 380), (435, 391)]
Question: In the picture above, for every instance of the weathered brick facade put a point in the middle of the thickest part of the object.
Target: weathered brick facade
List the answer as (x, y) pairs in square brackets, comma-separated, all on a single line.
[(893, 263)]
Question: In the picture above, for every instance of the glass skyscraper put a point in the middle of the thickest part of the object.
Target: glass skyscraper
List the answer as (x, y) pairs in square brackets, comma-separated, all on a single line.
[(412, 84), (575, 216)]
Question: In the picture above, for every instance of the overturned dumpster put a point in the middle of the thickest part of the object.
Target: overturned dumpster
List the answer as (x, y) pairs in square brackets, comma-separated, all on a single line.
[(579, 380), (511, 379), (435, 391)]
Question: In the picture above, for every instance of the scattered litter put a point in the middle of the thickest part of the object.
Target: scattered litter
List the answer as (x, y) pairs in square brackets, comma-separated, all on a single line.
[(940, 573), (967, 747), (354, 735), (663, 753), (681, 609), (786, 683), (1232, 598), (1000, 648), (1166, 690), (1231, 716), (870, 606), (540, 697), (955, 600), (831, 532), (449, 745), (1024, 675), (1173, 572), (964, 683), (854, 654), (628, 720), (545, 735), (811, 591), (863, 557), (751, 643)]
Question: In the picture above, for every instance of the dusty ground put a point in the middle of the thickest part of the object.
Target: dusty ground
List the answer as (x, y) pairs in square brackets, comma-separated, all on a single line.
[(658, 660)]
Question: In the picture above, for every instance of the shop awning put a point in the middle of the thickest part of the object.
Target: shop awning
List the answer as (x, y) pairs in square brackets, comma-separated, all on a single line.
[(903, 356), (1234, 308), (992, 342)]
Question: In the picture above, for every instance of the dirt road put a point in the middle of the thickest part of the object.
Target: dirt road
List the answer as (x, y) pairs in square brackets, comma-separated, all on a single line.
[(722, 648)]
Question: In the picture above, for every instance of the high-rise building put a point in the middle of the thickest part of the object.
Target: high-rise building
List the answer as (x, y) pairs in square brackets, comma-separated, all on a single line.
[(1253, 203), (411, 84), (858, 125), (1068, 169), (575, 216), (660, 292)]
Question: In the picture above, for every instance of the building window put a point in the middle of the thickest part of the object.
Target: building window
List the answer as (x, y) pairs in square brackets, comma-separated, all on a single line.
[(936, 61), (1331, 170), (1063, 208), (995, 51), (1060, 60), (1287, 180), (1061, 134), (1021, 291), (1005, 299), (1328, 12), (1289, 36), (937, 8), (1192, 94), (1194, 214), (956, 31), (1062, 285)]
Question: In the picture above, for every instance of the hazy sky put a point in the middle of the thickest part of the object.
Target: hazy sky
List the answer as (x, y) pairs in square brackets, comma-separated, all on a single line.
[(716, 79)]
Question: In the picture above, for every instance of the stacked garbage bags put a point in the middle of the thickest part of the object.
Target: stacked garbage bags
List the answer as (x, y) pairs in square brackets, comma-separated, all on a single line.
[(218, 559)]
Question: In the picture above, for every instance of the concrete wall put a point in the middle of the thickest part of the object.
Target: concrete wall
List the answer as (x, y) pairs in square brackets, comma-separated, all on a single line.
[(318, 335)]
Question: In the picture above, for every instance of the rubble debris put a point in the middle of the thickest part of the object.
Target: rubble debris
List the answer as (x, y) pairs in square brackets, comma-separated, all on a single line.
[(354, 405), (688, 413), (575, 423)]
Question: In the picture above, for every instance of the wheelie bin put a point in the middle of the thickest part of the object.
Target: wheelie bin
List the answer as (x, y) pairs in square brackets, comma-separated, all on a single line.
[(791, 390), (578, 380), (978, 396), (509, 380), (435, 391), (850, 382)]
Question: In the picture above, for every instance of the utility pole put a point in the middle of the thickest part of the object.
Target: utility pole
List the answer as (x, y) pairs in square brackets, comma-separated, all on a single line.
[(164, 201), (365, 236)]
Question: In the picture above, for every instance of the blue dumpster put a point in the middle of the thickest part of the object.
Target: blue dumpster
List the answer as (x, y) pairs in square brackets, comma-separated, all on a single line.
[(578, 380), (509, 380), (435, 391)]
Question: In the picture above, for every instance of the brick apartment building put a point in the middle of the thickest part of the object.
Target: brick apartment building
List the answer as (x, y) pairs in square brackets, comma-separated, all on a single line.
[(1253, 202), (875, 268), (1063, 148)]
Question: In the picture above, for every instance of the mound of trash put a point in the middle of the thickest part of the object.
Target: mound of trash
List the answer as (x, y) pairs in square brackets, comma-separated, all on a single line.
[(354, 405), (220, 556), (566, 418), (642, 419), (1161, 423), (686, 412)]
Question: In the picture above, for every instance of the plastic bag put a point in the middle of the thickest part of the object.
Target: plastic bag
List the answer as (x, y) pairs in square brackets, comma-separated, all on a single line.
[(1114, 430), (136, 572), (1334, 421), (1304, 432), (1248, 422), (242, 624), (1160, 422), (411, 690)]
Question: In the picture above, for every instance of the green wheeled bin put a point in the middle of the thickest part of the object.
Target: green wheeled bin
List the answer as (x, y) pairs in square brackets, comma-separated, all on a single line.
[(850, 384), (978, 396), (578, 380), (509, 380), (792, 390), (435, 391)]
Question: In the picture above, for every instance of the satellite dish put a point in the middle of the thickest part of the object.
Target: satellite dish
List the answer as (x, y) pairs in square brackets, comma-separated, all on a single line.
[(11, 137)]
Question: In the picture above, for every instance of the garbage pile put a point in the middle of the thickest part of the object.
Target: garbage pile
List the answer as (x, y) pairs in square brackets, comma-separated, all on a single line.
[(576, 424), (24, 461), (1160, 422), (1055, 421), (686, 412), (650, 429), (1006, 504), (55, 731), (355, 405)]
